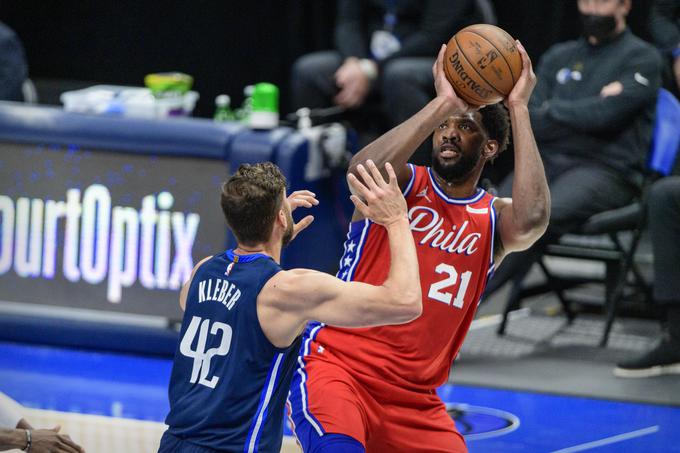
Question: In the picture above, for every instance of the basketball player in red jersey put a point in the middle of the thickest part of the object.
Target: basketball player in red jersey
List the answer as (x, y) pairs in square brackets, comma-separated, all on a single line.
[(373, 389)]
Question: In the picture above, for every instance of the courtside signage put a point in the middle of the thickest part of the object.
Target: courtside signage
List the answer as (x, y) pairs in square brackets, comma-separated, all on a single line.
[(100, 242), (105, 230)]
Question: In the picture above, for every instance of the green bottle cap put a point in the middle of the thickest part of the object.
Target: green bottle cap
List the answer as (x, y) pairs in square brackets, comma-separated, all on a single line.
[(265, 106), (266, 98)]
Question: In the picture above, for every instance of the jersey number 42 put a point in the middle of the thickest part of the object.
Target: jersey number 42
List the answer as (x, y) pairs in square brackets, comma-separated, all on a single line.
[(202, 357)]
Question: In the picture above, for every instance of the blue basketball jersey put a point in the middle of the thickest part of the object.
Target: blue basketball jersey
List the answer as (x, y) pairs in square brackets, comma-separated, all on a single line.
[(229, 384)]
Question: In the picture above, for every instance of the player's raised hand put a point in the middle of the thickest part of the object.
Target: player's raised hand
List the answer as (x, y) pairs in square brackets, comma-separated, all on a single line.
[(522, 90), (443, 87), (302, 198), (305, 199), (383, 202)]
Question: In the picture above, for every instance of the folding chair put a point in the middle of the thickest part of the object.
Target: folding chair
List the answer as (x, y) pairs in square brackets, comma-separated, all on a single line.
[(617, 254)]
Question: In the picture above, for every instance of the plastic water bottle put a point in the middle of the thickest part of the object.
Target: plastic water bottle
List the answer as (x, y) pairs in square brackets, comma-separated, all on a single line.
[(223, 110), (243, 114), (304, 121)]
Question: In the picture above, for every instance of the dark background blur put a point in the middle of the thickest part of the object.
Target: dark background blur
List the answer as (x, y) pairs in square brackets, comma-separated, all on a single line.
[(224, 45)]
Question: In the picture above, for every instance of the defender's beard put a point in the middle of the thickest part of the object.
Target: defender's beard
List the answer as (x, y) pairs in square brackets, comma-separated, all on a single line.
[(288, 234)]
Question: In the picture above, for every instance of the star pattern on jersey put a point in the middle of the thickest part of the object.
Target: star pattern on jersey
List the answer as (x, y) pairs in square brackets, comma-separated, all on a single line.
[(347, 259)]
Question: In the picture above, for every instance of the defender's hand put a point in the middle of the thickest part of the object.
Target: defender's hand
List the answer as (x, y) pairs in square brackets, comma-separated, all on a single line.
[(306, 199), (521, 92), (384, 203), (303, 198), (443, 87)]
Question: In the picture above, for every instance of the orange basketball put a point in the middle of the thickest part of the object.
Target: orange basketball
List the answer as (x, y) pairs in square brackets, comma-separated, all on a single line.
[(482, 63)]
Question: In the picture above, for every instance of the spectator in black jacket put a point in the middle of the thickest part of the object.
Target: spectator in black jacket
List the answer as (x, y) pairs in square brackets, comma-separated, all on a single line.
[(13, 68), (664, 24), (384, 47), (592, 112)]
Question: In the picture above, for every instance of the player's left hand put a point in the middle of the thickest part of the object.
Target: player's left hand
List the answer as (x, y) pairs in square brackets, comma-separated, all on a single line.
[(303, 198), (306, 199), (521, 92)]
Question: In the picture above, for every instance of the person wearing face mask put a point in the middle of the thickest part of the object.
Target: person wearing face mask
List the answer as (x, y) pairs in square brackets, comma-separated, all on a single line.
[(593, 111)]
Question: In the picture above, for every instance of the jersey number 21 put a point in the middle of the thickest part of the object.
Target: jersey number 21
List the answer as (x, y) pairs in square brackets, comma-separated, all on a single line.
[(436, 289)]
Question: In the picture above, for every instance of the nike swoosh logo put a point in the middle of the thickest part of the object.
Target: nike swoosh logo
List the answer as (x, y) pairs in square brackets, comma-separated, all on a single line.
[(642, 80)]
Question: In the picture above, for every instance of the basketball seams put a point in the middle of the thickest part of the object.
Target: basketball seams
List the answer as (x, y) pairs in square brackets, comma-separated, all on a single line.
[(462, 53), (500, 52), (467, 97)]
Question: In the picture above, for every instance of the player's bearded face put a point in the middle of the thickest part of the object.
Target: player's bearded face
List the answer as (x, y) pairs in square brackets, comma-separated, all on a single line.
[(460, 168)]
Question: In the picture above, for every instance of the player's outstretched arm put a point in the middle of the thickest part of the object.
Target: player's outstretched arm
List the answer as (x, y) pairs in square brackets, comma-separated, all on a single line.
[(291, 298), (397, 145), (524, 218)]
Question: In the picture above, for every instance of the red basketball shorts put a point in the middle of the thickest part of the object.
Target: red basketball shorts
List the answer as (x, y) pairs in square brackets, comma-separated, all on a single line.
[(326, 399)]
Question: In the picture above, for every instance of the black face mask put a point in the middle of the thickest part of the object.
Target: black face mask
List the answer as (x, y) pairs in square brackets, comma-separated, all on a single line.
[(598, 27)]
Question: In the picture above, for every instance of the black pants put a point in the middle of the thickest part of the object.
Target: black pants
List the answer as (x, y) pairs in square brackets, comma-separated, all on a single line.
[(578, 190), (664, 227)]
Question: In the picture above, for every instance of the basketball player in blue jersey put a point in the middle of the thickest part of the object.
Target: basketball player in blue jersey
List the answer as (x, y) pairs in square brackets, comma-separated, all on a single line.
[(244, 315)]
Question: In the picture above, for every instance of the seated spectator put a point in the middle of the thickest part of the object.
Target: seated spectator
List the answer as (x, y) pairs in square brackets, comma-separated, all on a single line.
[(664, 226), (665, 29), (592, 112), (383, 49), (13, 67)]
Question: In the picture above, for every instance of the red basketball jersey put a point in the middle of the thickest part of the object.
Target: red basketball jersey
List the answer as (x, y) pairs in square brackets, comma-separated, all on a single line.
[(454, 240)]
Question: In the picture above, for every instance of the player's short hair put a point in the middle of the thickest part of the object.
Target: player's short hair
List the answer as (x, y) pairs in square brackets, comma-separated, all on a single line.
[(251, 199), (496, 122)]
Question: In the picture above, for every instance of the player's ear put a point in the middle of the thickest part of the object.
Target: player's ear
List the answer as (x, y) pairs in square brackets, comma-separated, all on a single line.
[(281, 218), (490, 150)]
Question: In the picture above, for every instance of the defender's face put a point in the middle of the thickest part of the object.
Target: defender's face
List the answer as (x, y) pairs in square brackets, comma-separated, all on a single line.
[(457, 146)]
